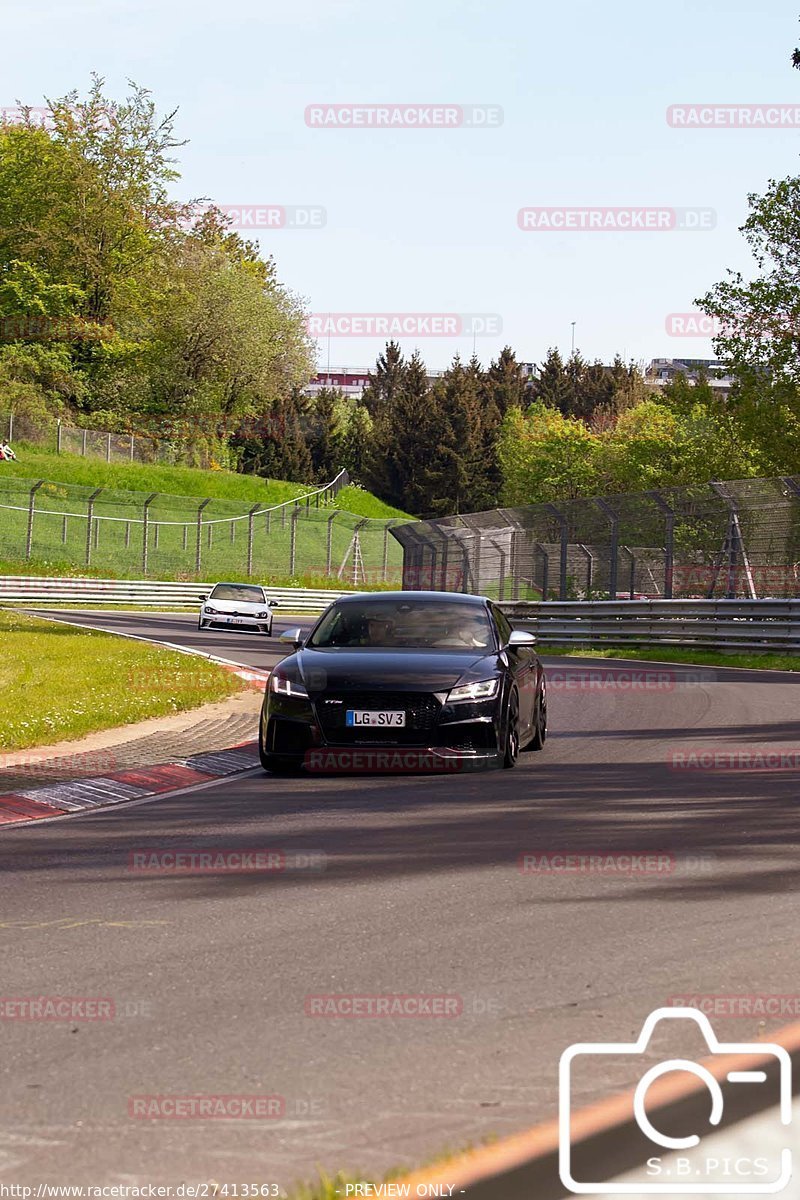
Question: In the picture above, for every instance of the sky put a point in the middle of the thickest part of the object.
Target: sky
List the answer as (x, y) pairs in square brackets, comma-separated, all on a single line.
[(423, 223)]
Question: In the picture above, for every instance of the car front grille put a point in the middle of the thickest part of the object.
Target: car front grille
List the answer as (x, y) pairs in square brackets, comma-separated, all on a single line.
[(421, 709)]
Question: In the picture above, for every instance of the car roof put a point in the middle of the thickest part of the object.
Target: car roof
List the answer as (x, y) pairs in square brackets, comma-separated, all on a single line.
[(424, 597), (237, 583)]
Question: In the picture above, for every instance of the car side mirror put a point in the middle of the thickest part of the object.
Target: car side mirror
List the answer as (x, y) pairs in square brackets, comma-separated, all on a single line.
[(521, 637), (272, 604), (203, 599), (293, 636)]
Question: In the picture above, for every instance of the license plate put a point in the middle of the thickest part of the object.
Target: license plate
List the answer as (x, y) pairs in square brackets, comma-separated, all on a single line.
[(388, 720), (237, 620)]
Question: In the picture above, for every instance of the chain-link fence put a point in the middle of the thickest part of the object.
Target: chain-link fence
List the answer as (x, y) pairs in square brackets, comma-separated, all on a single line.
[(62, 438), (737, 538), (132, 534)]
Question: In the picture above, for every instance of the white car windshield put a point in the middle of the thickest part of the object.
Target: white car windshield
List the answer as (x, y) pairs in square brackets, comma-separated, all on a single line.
[(239, 592)]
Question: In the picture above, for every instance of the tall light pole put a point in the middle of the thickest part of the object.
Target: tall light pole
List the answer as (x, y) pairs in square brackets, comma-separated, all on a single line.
[(573, 339)]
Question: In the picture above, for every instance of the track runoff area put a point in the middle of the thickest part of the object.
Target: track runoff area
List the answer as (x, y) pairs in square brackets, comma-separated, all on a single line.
[(408, 974)]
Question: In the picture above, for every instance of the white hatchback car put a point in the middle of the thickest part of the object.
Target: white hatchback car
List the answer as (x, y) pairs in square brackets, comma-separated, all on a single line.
[(237, 606)]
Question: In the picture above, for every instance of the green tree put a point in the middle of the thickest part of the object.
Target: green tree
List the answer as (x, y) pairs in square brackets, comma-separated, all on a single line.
[(545, 456)]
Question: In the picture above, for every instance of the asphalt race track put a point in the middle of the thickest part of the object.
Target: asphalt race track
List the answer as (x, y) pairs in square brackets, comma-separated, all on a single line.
[(417, 889)]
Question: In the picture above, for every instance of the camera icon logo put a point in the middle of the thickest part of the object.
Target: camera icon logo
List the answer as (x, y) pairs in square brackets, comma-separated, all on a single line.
[(695, 1172)]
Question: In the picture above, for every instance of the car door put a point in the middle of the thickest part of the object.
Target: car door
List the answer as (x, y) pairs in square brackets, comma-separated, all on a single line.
[(523, 663)]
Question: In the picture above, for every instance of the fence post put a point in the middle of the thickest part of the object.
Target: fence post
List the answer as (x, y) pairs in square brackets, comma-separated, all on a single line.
[(83, 443), (133, 444), (562, 520), (734, 545), (199, 546), (329, 551), (293, 540), (89, 519), (613, 518), (31, 509), (385, 565), (58, 436), (108, 448), (501, 581), (11, 427), (669, 541), (632, 582), (545, 570), (589, 568), (145, 525), (251, 516), (64, 531)]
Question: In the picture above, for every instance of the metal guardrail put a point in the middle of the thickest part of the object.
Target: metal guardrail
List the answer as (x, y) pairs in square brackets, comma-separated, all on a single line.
[(27, 589), (716, 624)]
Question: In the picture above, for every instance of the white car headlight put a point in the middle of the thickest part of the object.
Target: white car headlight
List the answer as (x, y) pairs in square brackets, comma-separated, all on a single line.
[(287, 687), (262, 615), (485, 689), (209, 609)]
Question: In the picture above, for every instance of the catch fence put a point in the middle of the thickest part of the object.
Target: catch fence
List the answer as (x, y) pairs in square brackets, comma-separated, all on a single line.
[(162, 536), (724, 539)]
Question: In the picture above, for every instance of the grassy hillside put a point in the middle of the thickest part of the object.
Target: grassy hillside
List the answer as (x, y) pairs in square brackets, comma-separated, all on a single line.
[(34, 463), (183, 537)]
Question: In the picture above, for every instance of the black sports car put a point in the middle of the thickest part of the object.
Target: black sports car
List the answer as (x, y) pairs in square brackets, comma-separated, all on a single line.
[(404, 681)]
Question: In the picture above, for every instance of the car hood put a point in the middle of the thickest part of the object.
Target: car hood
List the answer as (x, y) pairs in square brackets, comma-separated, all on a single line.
[(388, 670), (246, 607)]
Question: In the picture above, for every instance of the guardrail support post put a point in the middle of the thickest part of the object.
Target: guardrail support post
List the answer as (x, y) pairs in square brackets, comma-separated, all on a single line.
[(31, 510), (145, 524), (613, 565), (329, 548), (251, 516), (89, 519), (199, 546)]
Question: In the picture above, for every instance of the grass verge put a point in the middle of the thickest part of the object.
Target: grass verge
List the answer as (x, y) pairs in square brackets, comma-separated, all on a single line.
[(693, 656), (57, 682)]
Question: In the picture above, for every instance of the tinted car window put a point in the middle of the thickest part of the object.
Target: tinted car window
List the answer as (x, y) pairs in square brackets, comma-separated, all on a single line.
[(433, 625), (503, 625), (237, 591)]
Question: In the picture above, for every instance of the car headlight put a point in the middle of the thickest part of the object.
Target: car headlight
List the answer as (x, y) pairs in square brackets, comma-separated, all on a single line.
[(485, 689), (284, 686), (261, 616), (209, 609)]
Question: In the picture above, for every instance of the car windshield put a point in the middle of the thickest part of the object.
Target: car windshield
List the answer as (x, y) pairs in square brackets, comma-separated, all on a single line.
[(406, 624), (240, 592)]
